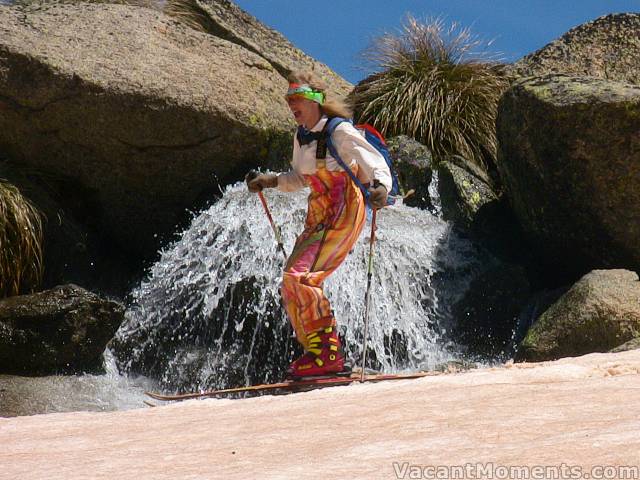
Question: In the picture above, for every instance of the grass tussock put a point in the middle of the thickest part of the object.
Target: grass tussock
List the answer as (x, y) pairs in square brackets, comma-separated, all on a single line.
[(21, 266), (437, 84), (190, 13)]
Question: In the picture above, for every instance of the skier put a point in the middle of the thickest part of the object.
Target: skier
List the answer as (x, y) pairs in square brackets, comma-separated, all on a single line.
[(335, 216)]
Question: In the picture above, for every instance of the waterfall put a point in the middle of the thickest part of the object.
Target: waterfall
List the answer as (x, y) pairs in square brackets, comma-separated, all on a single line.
[(209, 313)]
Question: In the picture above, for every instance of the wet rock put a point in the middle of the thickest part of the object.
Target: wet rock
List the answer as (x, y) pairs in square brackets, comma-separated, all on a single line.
[(413, 163), (600, 312), (470, 200), (607, 48), (65, 329), (569, 157), (536, 305), (486, 317), (195, 351)]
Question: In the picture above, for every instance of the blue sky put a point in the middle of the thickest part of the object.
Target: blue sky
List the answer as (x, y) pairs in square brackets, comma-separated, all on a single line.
[(336, 31)]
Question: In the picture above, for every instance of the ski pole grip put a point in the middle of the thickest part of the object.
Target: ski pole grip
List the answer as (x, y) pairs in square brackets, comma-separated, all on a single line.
[(252, 175)]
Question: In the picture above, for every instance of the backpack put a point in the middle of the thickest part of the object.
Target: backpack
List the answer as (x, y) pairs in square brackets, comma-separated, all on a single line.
[(375, 139)]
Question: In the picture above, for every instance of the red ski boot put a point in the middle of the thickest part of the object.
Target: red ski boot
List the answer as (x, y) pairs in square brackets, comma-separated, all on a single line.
[(324, 356)]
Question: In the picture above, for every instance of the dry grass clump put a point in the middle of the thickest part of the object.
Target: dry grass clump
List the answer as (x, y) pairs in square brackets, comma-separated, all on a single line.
[(191, 14), (436, 84), (21, 266)]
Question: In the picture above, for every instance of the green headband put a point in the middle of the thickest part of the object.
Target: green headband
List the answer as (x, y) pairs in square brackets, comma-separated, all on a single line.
[(305, 91)]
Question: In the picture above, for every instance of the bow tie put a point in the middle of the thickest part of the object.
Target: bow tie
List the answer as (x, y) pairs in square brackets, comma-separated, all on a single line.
[(305, 136)]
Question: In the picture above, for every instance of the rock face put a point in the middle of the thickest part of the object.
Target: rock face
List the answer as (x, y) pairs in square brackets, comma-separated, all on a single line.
[(233, 24), (131, 116), (599, 313), (65, 329), (569, 157), (608, 47)]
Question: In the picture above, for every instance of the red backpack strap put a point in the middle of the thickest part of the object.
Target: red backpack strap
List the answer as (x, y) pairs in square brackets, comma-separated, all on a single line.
[(372, 130)]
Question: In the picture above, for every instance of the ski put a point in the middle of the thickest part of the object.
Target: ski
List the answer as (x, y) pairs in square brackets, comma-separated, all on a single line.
[(309, 383)]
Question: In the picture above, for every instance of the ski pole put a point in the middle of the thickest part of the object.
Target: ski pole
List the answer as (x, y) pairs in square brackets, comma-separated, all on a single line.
[(368, 294), (275, 228), (276, 231)]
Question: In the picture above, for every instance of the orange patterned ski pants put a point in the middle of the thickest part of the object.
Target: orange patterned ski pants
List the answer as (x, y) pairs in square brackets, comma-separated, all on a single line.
[(335, 217)]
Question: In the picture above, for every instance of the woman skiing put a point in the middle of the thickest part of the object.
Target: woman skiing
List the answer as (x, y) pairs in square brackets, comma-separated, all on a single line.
[(335, 216)]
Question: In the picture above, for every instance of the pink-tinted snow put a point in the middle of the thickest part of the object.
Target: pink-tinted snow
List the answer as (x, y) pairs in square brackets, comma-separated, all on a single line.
[(577, 412)]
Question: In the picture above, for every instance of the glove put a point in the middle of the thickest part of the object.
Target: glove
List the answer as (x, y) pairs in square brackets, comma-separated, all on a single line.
[(377, 195), (257, 181)]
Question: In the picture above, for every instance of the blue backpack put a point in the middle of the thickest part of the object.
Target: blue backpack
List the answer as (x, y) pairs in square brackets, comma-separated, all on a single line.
[(374, 138)]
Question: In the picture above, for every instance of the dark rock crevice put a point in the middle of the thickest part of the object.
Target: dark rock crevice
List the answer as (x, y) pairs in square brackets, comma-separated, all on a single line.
[(17, 106), (186, 146)]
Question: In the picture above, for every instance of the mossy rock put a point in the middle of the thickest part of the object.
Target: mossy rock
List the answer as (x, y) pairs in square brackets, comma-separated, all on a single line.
[(633, 344), (600, 312), (569, 159), (464, 189), (275, 155), (144, 118)]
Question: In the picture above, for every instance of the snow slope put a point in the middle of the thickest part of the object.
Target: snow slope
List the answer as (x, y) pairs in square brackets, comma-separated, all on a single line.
[(573, 413)]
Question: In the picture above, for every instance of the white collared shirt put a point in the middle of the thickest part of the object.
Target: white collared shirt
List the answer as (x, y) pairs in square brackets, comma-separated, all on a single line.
[(353, 149)]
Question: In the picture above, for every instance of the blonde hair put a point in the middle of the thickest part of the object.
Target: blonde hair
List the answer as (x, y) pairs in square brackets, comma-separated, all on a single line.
[(331, 107)]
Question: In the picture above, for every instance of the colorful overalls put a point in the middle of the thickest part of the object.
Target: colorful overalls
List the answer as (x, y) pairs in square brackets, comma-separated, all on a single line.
[(335, 217)]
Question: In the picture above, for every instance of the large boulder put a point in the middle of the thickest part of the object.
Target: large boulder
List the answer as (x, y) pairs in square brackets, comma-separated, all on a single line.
[(226, 20), (569, 157), (65, 329), (600, 312), (608, 48), (131, 116)]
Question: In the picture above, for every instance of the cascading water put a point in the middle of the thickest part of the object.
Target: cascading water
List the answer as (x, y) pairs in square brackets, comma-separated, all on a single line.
[(209, 314)]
